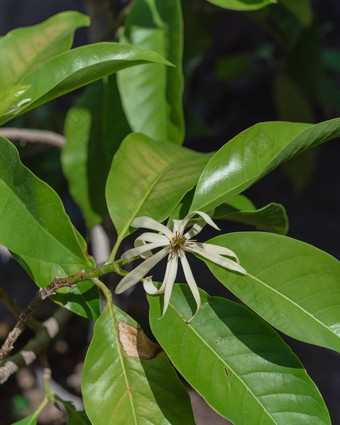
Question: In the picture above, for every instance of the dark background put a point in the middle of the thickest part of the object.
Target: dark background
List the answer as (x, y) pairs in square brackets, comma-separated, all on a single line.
[(232, 85)]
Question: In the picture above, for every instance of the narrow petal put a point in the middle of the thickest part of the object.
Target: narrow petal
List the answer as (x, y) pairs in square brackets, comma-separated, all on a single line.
[(205, 217), (218, 250), (140, 250), (136, 274), (150, 288), (191, 282), (152, 237), (150, 223), (195, 229), (218, 259), (174, 225), (169, 280)]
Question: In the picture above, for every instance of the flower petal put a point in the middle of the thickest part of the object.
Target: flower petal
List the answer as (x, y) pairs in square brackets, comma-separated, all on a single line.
[(150, 223), (152, 237), (136, 274), (169, 280), (218, 259), (191, 282), (150, 288), (195, 229), (140, 250), (218, 250), (205, 217)]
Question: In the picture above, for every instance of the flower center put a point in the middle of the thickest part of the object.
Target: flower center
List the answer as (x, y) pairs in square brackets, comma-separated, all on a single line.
[(176, 244)]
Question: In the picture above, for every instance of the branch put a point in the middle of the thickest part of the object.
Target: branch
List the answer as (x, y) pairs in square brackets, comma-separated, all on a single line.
[(34, 136), (57, 283), (12, 306), (36, 345)]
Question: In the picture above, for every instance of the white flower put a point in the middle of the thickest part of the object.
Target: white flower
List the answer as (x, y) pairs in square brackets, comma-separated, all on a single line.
[(175, 243)]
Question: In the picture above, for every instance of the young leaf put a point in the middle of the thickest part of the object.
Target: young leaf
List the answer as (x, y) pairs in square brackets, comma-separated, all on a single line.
[(271, 218), (35, 227), (152, 95), (128, 380), (254, 153), (238, 363), (149, 178), (94, 129), (242, 4), (78, 67), (24, 49), (292, 285)]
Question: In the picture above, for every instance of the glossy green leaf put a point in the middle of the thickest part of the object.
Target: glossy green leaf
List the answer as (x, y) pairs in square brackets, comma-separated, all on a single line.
[(242, 4), (36, 228), (94, 129), (78, 67), (238, 363), (292, 285), (127, 380), (149, 178), (254, 153), (301, 9), (272, 217), (24, 49), (10, 97), (152, 95)]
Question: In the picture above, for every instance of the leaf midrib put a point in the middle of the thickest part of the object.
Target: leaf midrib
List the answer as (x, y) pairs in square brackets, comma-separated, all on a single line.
[(189, 326), (289, 300), (259, 175)]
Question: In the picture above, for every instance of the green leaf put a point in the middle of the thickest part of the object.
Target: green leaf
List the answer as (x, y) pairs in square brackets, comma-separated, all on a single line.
[(301, 9), (78, 67), (127, 380), (94, 129), (292, 285), (152, 95), (271, 218), (24, 49), (10, 97), (238, 363), (75, 417), (149, 178), (36, 228), (254, 153), (242, 4)]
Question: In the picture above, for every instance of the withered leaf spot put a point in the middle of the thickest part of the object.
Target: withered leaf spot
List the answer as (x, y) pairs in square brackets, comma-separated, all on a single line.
[(135, 343)]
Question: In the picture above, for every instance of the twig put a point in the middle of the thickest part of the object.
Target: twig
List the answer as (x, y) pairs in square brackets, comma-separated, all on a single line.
[(57, 283), (34, 136), (16, 310), (36, 345)]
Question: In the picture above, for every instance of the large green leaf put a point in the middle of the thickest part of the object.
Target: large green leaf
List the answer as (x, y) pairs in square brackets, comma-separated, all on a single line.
[(78, 67), (238, 363), (127, 380), (94, 129), (36, 228), (152, 95), (242, 4), (149, 178), (24, 49), (254, 153), (272, 217), (292, 285)]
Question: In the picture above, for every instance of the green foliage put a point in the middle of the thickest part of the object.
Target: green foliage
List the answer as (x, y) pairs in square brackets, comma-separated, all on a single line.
[(242, 359), (235, 360), (157, 110), (127, 379)]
